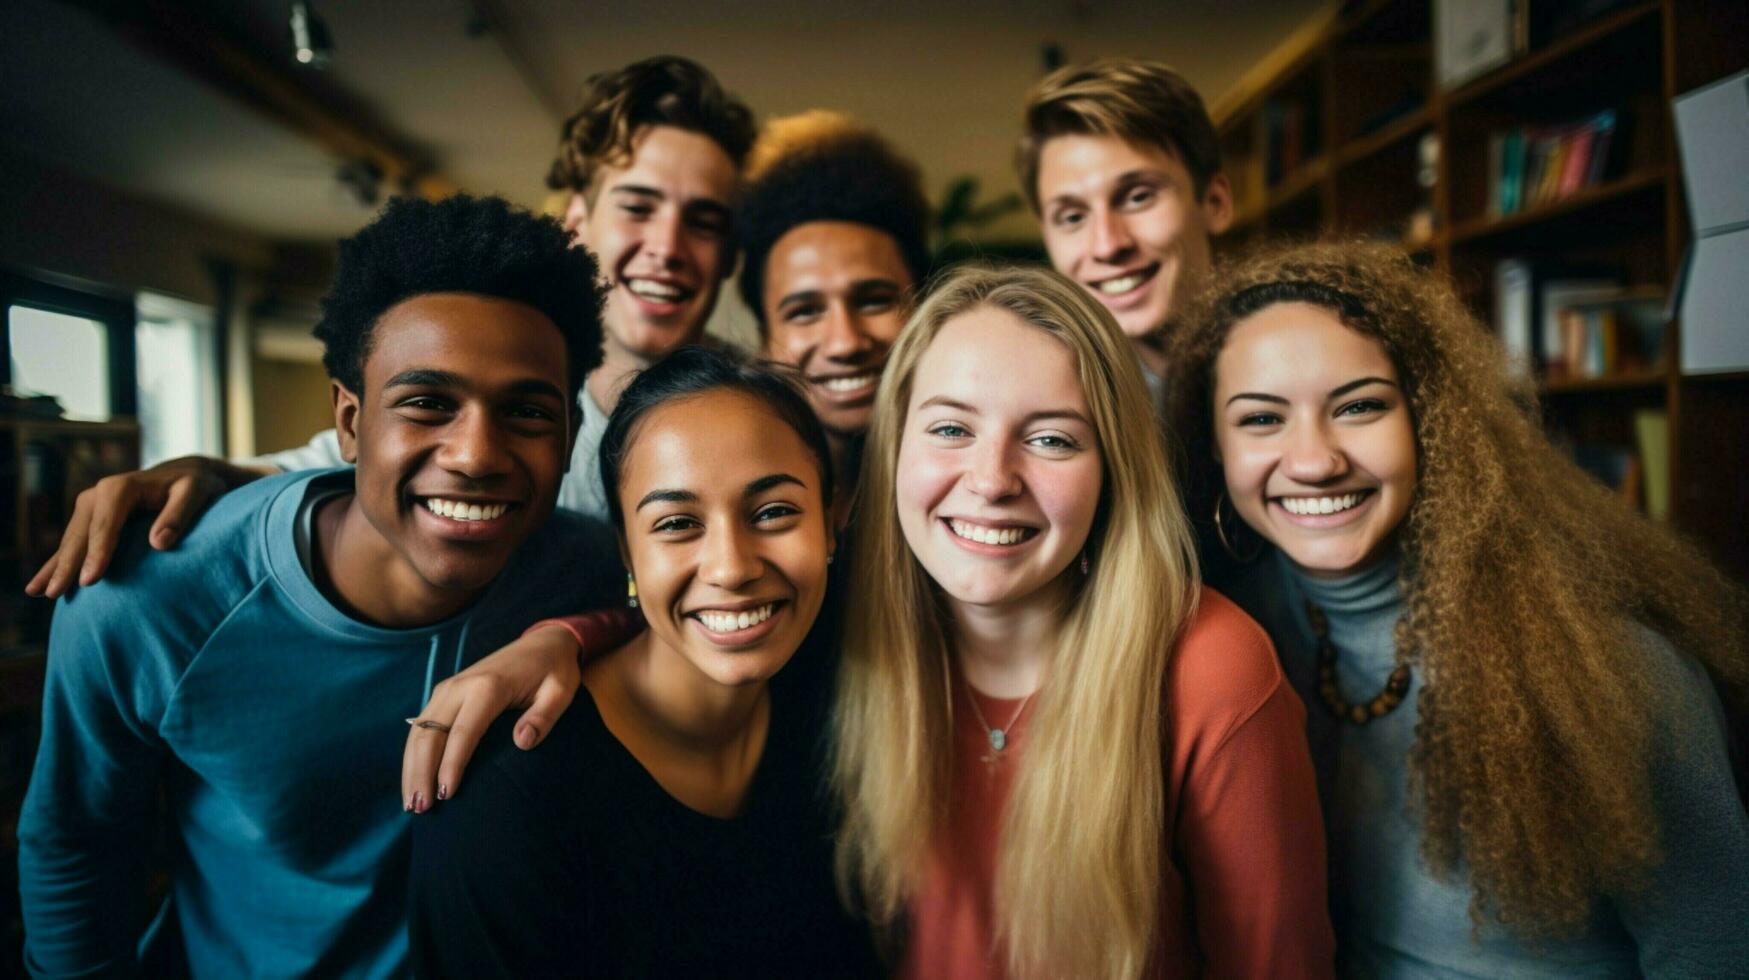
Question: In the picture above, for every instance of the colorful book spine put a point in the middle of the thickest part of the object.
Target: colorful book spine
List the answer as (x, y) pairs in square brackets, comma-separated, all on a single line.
[(1537, 166)]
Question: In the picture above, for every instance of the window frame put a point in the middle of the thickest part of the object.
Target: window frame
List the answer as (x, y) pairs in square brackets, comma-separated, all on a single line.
[(116, 315)]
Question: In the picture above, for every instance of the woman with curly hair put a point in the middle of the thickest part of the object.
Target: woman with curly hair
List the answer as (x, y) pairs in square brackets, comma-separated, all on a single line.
[(1521, 756), (1058, 755)]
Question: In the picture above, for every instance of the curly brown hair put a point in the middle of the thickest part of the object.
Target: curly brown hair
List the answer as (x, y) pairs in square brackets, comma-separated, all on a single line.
[(1531, 763), (661, 91)]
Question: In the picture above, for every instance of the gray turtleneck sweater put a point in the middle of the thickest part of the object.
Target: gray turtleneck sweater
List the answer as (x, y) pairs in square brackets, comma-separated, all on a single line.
[(1393, 918)]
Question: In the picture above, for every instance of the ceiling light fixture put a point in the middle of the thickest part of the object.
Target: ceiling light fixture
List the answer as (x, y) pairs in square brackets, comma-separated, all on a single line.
[(310, 40)]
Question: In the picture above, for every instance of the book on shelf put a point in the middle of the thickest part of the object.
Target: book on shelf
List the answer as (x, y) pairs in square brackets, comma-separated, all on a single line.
[(1531, 166), (1605, 332), (1652, 440), (1569, 323)]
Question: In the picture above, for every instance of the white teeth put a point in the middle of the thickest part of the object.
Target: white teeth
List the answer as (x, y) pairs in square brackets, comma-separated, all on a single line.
[(1112, 287), (1320, 505), (457, 510), (656, 290), (731, 622), (854, 383), (987, 535)]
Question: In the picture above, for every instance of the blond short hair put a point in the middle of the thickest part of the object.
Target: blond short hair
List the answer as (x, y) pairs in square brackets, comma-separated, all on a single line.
[(1136, 100)]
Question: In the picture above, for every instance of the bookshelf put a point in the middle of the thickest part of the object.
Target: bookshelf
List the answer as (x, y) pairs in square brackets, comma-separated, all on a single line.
[(1345, 130)]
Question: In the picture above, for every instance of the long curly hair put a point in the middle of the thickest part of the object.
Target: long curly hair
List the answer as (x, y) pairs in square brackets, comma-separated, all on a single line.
[(1532, 755)]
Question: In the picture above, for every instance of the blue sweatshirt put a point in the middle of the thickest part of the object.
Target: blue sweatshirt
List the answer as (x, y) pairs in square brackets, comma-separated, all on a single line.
[(219, 675), (1394, 919)]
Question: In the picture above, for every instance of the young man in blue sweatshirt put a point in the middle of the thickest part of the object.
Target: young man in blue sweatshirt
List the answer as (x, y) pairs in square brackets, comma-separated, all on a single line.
[(251, 684)]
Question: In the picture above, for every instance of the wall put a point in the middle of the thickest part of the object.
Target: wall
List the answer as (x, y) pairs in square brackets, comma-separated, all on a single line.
[(58, 222)]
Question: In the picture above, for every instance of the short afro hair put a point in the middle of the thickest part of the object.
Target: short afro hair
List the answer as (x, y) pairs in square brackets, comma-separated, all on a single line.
[(824, 166), (462, 244)]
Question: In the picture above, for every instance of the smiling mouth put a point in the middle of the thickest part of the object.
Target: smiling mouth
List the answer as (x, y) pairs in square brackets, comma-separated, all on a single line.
[(847, 384), (656, 291), (1319, 506), (986, 534), (1121, 285), (727, 622), (462, 510)]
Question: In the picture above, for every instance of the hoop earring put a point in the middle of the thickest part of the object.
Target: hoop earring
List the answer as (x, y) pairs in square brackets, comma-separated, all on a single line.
[(1221, 533)]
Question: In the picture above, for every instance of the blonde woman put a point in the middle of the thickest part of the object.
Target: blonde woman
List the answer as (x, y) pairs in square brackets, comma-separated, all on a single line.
[(1057, 754)]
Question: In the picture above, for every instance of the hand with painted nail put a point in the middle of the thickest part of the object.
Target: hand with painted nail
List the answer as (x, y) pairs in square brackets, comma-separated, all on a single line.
[(176, 490), (539, 672)]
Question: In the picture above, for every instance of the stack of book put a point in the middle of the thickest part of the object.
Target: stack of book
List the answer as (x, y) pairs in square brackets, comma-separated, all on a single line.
[(1529, 166), (1570, 325), (1604, 337)]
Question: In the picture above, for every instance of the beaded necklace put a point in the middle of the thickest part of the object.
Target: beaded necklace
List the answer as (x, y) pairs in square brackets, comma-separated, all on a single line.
[(1396, 686)]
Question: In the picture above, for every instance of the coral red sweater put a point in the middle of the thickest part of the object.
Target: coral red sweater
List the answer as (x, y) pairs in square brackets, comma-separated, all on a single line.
[(1243, 887)]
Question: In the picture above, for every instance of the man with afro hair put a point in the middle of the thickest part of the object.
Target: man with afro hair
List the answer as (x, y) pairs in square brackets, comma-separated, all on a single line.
[(249, 684), (833, 227)]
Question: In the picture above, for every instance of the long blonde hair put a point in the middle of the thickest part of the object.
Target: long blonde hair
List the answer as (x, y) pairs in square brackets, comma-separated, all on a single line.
[(1079, 863), (1531, 766)]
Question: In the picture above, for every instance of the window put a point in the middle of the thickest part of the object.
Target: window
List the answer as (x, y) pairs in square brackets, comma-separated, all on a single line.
[(61, 355), (74, 345), (179, 399)]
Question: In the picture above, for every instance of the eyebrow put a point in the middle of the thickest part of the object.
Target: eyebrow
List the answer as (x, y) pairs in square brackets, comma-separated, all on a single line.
[(882, 282), (1149, 174), (1054, 413), (425, 377), (752, 488), (706, 204), (433, 378), (1336, 392), (639, 190)]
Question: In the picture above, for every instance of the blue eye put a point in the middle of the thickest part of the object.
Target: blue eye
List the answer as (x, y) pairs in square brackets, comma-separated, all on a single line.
[(1054, 441), (950, 430)]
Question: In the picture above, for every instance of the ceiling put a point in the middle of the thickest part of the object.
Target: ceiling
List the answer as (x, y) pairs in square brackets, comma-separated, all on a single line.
[(478, 87)]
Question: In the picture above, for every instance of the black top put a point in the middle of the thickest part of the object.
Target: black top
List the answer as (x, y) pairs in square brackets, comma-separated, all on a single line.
[(571, 859)]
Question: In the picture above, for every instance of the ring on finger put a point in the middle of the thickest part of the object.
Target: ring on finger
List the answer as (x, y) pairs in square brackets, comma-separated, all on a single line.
[(429, 725)]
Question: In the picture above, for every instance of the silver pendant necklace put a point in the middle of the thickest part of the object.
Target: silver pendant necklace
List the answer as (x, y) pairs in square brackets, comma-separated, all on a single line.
[(998, 736)]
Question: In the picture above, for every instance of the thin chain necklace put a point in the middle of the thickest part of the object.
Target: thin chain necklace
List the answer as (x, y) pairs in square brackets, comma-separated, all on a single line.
[(998, 736), (1396, 686)]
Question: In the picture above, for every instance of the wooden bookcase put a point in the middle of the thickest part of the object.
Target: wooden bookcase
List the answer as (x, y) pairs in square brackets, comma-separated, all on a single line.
[(1356, 92)]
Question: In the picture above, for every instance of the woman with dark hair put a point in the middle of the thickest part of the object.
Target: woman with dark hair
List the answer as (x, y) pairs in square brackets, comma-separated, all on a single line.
[(1521, 757), (673, 825)]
